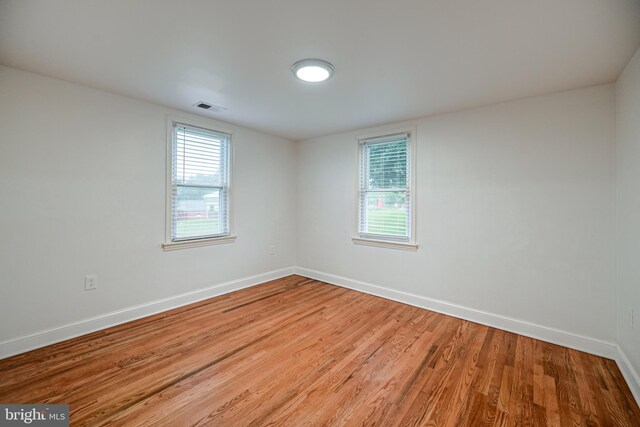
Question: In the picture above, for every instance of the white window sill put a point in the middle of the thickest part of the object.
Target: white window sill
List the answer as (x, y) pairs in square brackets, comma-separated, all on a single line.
[(405, 246), (172, 246)]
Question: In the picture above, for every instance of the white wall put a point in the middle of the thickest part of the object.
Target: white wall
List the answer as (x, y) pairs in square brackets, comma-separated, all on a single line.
[(515, 210), (628, 208), (82, 191)]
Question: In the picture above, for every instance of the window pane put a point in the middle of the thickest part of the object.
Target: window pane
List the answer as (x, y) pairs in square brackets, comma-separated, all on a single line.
[(200, 158), (385, 213), (387, 165), (385, 178), (197, 213), (200, 178)]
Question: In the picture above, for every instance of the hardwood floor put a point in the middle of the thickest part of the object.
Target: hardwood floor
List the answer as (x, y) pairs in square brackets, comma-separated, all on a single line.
[(296, 351)]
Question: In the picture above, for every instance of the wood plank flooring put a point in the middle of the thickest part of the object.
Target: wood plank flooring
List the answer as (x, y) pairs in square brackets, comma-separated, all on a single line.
[(296, 351)]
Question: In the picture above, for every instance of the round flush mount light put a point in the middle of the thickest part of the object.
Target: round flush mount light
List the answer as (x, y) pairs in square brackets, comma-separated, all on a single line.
[(312, 70)]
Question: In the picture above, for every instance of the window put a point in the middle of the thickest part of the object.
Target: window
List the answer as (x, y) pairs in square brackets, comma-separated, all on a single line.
[(386, 199), (198, 202)]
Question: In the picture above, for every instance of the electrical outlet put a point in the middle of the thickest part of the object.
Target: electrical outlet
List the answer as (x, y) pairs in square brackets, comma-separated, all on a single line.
[(90, 282), (272, 249)]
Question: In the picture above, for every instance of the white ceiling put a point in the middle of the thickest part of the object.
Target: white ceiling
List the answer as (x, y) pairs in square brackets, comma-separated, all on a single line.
[(394, 59)]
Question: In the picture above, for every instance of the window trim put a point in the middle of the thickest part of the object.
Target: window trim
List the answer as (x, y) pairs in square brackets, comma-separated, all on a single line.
[(378, 240), (170, 245)]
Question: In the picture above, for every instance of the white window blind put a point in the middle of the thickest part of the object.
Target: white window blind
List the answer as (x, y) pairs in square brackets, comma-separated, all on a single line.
[(199, 183), (385, 183)]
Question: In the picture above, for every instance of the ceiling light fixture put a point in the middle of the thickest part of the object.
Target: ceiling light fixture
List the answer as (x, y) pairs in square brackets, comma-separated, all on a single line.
[(312, 70)]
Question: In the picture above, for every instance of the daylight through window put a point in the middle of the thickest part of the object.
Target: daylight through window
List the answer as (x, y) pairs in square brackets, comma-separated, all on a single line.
[(385, 183), (199, 183)]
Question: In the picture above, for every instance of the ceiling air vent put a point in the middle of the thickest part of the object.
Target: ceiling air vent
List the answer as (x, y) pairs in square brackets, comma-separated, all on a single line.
[(209, 107)]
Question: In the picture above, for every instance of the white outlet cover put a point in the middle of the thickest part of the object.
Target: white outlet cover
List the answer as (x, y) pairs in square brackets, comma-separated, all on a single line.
[(90, 282)]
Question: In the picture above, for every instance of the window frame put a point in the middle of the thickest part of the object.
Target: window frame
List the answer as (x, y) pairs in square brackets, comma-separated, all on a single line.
[(380, 240), (170, 244)]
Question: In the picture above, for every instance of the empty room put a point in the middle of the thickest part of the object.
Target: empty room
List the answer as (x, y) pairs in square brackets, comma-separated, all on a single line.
[(338, 213)]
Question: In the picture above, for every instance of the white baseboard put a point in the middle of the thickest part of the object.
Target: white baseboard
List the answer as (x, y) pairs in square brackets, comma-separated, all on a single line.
[(544, 333), (61, 333), (629, 373)]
